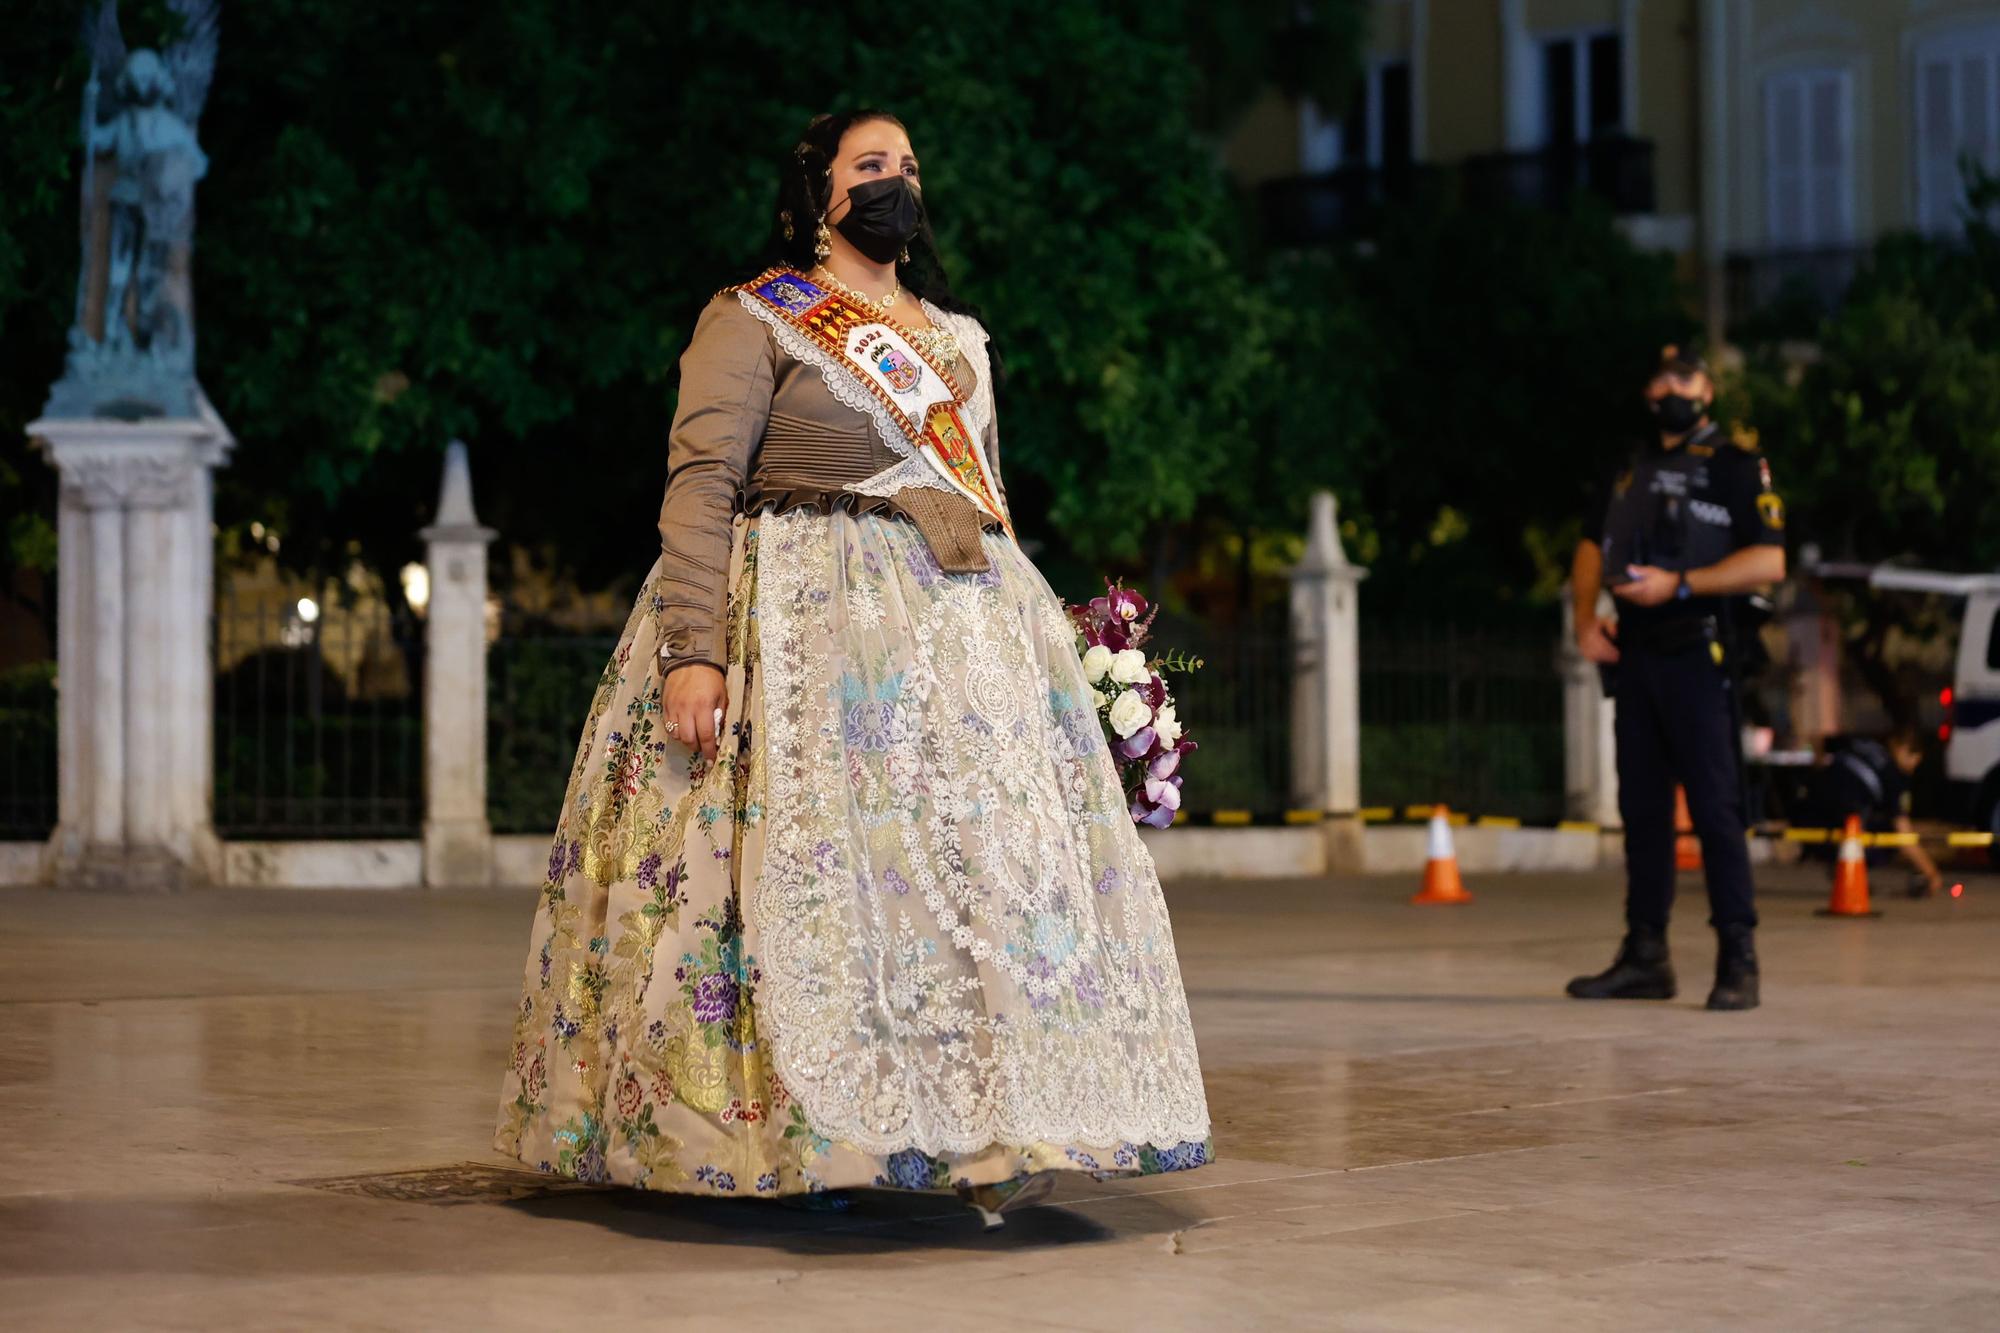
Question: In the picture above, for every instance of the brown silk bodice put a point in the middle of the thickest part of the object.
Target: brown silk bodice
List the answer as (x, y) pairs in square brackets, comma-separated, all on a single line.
[(756, 427)]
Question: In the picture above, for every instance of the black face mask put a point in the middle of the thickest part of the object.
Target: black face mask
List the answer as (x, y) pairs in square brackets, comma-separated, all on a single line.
[(1678, 414), (881, 217)]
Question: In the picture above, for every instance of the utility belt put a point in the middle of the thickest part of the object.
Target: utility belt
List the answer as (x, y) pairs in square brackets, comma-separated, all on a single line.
[(1663, 638), (1669, 635)]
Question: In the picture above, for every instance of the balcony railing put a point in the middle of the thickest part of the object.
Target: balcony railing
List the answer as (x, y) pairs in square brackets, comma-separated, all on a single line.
[(1347, 204), (1802, 283), (1616, 169), (1337, 205)]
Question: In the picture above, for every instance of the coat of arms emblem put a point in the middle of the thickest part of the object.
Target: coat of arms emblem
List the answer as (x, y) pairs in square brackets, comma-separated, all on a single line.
[(901, 372)]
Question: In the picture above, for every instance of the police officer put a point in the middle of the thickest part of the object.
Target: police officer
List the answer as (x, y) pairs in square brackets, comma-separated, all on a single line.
[(1870, 779), (1688, 527)]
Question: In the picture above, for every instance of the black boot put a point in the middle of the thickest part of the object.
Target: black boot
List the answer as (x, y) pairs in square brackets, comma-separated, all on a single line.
[(1642, 971), (1735, 969)]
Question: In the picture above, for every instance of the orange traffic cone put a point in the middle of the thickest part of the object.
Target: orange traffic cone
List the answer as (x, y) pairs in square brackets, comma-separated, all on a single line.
[(1441, 881), (1687, 847), (1850, 876)]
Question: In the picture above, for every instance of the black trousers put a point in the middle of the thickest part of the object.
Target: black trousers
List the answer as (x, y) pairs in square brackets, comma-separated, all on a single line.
[(1675, 724)]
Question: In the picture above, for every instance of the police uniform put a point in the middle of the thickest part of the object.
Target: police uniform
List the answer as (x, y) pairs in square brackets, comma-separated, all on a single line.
[(1862, 778), (1680, 509)]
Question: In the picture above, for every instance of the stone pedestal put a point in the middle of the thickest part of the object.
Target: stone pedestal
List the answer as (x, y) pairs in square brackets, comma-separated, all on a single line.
[(1326, 671), (458, 840), (1590, 750), (135, 682)]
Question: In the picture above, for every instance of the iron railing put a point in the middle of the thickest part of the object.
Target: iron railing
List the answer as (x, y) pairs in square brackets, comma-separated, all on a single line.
[(538, 689), (1469, 716), (1237, 707), (1808, 283), (1238, 710), (318, 723), (28, 751), (1617, 169), (1344, 204)]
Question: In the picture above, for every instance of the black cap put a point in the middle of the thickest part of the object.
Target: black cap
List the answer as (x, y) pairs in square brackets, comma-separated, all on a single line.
[(1681, 361)]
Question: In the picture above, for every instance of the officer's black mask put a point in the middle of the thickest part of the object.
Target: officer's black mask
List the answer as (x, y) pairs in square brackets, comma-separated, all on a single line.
[(1678, 414)]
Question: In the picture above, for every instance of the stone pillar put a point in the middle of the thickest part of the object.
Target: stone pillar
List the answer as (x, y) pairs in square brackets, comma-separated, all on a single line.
[(1326, 684), (1590, 750), (135, 680), (458, 841)]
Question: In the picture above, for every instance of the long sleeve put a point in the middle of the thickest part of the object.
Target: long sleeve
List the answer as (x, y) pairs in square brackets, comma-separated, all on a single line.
[(727, 374)]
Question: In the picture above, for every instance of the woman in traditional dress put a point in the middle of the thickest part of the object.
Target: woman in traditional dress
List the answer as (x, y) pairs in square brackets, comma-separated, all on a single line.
[(845, 891)]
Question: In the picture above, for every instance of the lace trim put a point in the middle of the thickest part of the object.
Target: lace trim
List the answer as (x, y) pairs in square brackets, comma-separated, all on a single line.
[(914, 470), (972, 338), (840, 381), (962, 938)]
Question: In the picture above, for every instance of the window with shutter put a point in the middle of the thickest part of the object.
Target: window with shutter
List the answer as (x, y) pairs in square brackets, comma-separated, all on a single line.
[(1582, 87), (1375, 132), (1956, 87), (1808, 159)]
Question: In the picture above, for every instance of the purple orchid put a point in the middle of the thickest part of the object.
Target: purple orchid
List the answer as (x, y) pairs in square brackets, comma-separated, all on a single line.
[(1138, 745), (1167, 762), (1124, 604), (1121, 619)]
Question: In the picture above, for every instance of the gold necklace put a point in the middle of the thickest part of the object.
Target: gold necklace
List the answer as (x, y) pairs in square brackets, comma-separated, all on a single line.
[(937, 342), (940, 344), (880, 307)]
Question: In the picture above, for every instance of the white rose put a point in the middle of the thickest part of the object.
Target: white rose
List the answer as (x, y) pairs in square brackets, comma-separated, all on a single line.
[(1129, 713), (1129, 667), (1098, 698), (1096, 661), (1167, 724)]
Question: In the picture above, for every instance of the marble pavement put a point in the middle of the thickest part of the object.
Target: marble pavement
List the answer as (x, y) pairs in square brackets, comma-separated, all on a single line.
[(1415, 1132)]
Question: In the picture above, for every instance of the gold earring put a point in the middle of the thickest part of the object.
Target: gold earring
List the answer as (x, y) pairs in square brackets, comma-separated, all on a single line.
[(905, 256), (822, 240)]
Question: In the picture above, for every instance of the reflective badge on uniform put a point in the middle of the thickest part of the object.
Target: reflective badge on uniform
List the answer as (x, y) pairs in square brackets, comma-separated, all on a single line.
[(1715, 651), (1771, 509)]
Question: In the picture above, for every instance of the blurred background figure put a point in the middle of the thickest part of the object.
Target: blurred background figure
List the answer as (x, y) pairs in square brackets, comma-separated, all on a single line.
[(1871, 778)]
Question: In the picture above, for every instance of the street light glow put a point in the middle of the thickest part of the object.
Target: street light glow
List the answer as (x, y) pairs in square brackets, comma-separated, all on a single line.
[(416, 581)]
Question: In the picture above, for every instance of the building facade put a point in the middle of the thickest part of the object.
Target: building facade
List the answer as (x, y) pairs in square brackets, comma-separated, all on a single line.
[(1764, 142)]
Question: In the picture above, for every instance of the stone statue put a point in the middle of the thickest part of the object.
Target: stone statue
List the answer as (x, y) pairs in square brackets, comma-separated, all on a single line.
[(131, 350)]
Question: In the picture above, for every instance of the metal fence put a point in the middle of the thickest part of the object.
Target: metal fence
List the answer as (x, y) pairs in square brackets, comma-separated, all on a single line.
[(1237, 708), (28, 751), (318, 721), (1469, 716), (538, 688)]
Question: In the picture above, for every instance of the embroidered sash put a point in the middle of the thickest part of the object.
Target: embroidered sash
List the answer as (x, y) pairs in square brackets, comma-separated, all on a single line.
[(923, 401)]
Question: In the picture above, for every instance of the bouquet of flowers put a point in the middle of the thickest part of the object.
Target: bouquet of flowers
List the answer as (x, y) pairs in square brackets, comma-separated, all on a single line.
[(1130, 691)]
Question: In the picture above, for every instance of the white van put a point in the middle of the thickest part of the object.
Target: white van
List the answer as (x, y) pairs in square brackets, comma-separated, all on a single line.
[(1972, 711)]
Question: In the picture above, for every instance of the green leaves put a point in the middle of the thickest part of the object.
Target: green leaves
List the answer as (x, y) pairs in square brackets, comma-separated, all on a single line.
[(442, 219)]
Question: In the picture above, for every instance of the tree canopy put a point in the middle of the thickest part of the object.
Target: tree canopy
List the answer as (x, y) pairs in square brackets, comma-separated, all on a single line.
[(496, 222)]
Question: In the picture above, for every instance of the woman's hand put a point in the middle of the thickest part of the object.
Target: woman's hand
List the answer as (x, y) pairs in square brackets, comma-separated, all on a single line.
[(693, 695)]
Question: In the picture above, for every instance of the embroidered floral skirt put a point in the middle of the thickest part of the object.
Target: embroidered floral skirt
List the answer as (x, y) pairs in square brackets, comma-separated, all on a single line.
[(901, 932)]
